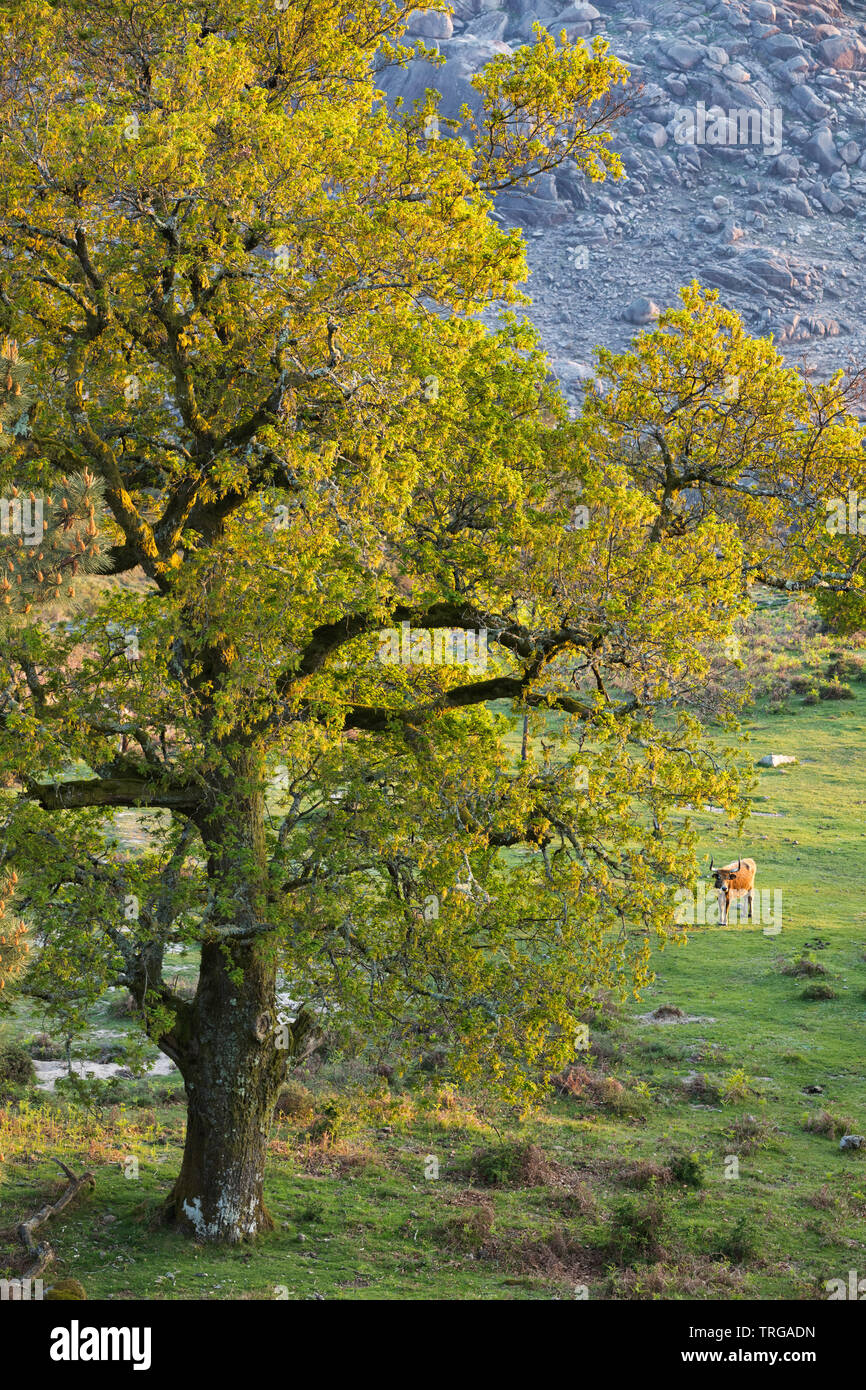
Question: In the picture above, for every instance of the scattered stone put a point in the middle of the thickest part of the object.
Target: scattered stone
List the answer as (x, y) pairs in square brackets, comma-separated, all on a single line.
[(578, 14), (654, 134), (787, 166), (430, 24), (845, 51), (641, 310), (796, 200), (775, 760), (686, 55), (822, 151)]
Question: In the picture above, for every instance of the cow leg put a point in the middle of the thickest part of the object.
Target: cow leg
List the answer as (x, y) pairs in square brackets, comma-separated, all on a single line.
[(723, 908), (751, 900)]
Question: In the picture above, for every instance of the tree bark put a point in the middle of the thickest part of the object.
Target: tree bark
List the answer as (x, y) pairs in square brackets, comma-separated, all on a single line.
[(230, 1061), (232, 1077)]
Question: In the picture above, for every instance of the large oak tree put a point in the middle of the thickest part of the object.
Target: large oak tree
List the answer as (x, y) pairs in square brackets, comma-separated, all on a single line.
[(252, 306)]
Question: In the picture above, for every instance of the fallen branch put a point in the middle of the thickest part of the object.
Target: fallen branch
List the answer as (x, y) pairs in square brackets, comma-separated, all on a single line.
[(42, 1254)]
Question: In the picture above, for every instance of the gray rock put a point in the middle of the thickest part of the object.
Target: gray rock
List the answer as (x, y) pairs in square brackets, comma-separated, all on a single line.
[(725, 277), (850, 152), (822, 150), (465, 56), (684, 54), (852, 1141), (578, 14), (641, 310), (654, 134), (787, 166), (782, 45), (535, 212), (706, 222), (775, 760), (488, 26), (771, 271), (796, 200), (844, 52), (430, 24), (798, 134), (831, 202), (811, 104), (799, 63)]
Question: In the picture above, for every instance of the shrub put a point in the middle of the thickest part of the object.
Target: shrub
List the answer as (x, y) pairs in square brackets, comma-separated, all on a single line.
[(510, 1165), (295, 1101), (433, 1061), (65, 1291), (833, 1126), (818, 991), (470, 1230), (604, 1047), (701, 1090), (556, 1255), (750, 1134), (16, 1066), (645, 1173), (686, 1168), (835, 690), (737, 1087), (822, 1200), (846, 666), (44, 1048), (597, 1089), (802, 685), (331, 1124), (740, 1244), (801, 968), (602, 1014), (122, 1006), (641, 1230)]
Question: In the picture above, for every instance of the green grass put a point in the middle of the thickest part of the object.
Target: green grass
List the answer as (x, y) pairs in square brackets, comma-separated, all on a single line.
[(362, 1221)]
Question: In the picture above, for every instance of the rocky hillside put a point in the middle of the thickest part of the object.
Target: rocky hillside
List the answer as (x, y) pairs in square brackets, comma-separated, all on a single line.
[(745, 157)]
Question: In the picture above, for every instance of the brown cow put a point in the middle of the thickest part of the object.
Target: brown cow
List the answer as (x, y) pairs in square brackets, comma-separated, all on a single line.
[(732, 880)]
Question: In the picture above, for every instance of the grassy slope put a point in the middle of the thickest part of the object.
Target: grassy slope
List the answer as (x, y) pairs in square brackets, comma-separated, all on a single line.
[(373, 1227)]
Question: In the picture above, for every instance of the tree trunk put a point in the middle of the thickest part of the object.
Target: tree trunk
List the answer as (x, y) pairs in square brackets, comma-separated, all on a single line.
[(232, 1078), (230, 1061)]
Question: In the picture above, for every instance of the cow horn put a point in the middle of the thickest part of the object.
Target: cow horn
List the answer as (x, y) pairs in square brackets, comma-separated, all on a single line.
[(739, 862), (711, 863)]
